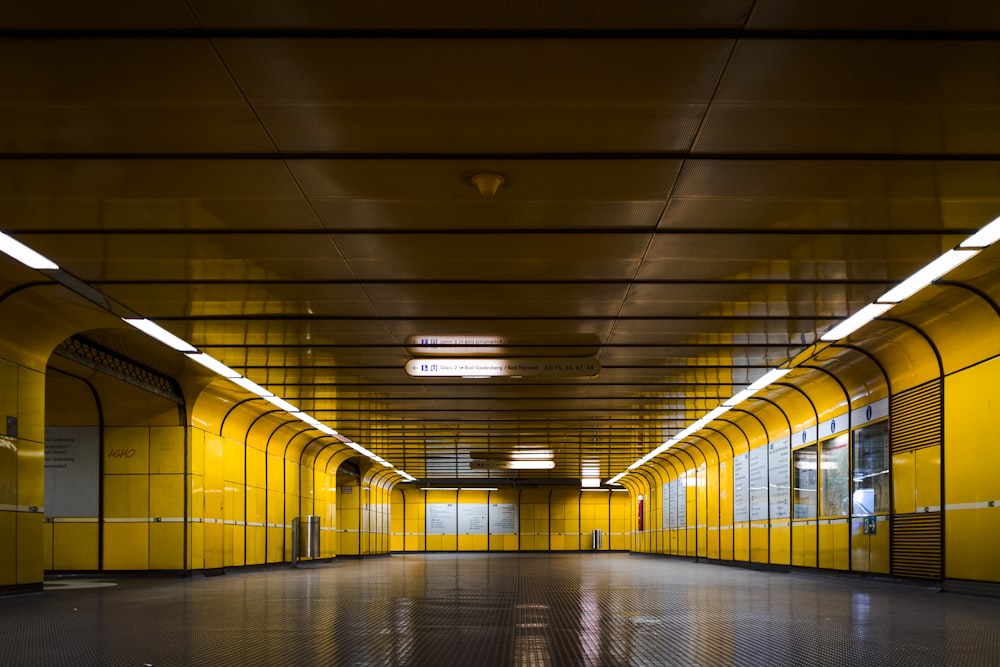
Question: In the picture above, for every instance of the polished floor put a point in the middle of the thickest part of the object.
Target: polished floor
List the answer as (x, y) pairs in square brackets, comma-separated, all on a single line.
[(498, 609)]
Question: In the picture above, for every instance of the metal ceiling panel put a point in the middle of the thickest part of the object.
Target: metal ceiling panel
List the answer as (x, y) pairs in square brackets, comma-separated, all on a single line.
[(856, 96), (125, 95), (352, 95), (289, 187)]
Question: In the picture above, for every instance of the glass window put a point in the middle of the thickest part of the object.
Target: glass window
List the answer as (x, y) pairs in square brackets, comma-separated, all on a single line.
[(804, 493), (871, 469), (835, 480)]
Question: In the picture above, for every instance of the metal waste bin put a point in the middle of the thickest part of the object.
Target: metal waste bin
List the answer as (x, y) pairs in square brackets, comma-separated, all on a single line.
[(597, 539), (309, 536)]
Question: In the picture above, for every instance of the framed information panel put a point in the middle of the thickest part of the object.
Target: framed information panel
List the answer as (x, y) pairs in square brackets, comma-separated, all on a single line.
[(442, 518)]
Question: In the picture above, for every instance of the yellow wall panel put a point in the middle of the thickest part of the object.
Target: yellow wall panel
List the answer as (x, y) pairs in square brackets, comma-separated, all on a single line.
[(834, 541), (275, 545), (8, 548), (275, 508), (166, 496), (30, 549), (879, 545), (30, 473), (213, 545), (126, 496), (74, 546), (904, 483), (196, 451), (781, 543), (928, 477), (48, 531), (236, 554), (196, 545), (759, 541), (166, 546), (166, 449), (255, 545), (255, 473), (275, 473), (126, 546), (30, 405), (473, 542), (126, 450), (804, 543)]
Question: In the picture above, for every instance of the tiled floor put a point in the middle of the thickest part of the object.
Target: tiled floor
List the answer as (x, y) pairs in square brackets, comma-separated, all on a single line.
[(499, 609)]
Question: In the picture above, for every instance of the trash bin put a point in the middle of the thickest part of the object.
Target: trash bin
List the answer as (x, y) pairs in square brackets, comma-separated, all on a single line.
[(309, 536), (597, 540)]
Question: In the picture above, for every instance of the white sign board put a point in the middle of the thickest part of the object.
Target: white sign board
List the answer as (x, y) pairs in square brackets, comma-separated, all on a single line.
[(442, 519), (682, 501), (72, 471), (472, 519), (758, 484), (528, 367), (503, 519), (779, 459), (741, 488)]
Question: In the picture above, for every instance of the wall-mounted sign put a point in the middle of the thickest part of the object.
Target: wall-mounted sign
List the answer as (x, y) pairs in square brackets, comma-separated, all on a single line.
[(441, 519), (528, 367), (503, 518), (473, 519), (468, 345)]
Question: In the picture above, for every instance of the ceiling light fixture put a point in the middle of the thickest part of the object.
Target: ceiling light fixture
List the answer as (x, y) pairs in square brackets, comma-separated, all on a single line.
[(251, 386), (151, 328), (855, 321), (22, 253), (213, 364), (985, 237), (281, 404), (927, 275)]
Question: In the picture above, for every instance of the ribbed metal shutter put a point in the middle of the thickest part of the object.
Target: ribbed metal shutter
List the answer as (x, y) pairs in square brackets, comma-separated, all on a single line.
[(916, 545), (915, 418)]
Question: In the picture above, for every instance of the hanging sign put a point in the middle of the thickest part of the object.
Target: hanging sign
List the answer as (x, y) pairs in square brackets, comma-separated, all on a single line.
[(474, 367)]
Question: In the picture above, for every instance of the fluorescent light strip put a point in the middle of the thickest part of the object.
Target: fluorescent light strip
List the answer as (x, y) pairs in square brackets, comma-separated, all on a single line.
[(405, 475), (927, 275), (769, 377), (856, 321), (531, 465), (986, 236), (151, 328), (251, 386), (739, 397), (213, 364), (312, 421), (22, 253), (359, 449), (281, 403)]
